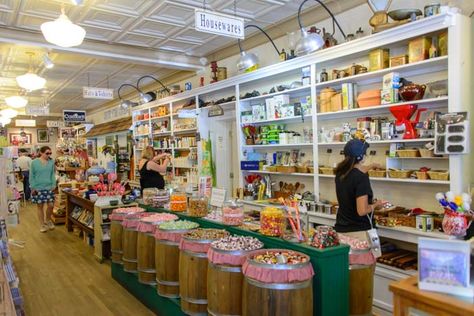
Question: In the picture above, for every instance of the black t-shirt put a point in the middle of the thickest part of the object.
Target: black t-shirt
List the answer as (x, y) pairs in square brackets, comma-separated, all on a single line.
[(150, 178), (348, 189)]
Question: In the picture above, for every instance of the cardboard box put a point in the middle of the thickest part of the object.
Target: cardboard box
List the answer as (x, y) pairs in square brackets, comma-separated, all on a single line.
[(348, 99), (270, 108), (391, 81), (246, 117), (389, 96), (379, 59), (288, 110), (282, 99), (398, 60), (259, 112)]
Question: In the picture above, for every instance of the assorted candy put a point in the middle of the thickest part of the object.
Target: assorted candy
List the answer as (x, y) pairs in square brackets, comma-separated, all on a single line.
[(161, 198), (160, 217), (214, 215), (127, 210), (233, 243), (206, 233), (280, 257), (354, 243), (325, 237), (272, 222), (456, 207), (233, 213), (178, 225), (454, 224), (178, 202), (198, 206)]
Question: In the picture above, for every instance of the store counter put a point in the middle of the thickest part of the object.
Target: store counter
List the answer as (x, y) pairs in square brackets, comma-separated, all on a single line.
[(330, 283)]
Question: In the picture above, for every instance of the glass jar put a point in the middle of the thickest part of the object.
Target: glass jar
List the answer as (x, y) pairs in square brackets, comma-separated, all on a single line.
[(233, 213), (161, 198), (178, 202), (148, 195), (272, 222), (454, 224), (325, 237), (198, 206)]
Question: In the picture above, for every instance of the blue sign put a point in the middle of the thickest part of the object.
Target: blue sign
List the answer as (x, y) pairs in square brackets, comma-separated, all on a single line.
[(74, 116)]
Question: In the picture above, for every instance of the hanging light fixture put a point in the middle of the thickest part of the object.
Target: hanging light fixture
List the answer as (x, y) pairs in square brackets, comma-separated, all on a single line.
[(311, 42), (5, 120), (149, 96), (77, 2), (48, 63), (125, 104), (9, 113), (63, 32), (31, 81), (16, 101), (249, 61)]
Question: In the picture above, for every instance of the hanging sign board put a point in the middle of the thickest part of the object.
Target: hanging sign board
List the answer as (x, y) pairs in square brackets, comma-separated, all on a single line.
[(219, 24), (25, 123), (54, 124), (97, 93), (37, 110), (74, 116)]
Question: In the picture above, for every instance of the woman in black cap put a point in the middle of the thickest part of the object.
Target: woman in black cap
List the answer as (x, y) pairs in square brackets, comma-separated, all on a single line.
[(354, 193)]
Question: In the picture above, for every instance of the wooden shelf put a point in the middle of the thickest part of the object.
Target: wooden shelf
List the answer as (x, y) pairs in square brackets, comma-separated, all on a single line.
[(415, 181), (293, 174), (270, 95), (160, 117), (162, 133), (82, 226), (184, 131)]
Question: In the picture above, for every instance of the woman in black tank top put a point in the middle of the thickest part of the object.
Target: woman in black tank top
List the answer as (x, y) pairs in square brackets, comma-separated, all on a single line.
[(151, 167)]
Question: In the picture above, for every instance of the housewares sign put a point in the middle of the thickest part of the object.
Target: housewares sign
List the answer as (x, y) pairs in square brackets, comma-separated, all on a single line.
[(218, 23), (97, 93), (37, 110), (74, 116)]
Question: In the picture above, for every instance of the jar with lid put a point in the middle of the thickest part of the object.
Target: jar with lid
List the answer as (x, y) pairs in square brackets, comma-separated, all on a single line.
[(198, 206), (323, 76), (148, 195), (233, 213), (178, 202), (161, 198), (272, 222), (325, 237)]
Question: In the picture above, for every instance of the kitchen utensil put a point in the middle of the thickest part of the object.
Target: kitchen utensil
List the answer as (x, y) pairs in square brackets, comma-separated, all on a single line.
[(412, 91), (403, 114)]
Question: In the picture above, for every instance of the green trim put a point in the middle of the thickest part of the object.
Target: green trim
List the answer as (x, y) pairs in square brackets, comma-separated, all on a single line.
[(330, 282)]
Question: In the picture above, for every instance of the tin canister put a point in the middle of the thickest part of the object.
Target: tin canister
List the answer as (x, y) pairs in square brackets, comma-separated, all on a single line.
[(221, 73), (432, 9), (424, 223), (188, 86)]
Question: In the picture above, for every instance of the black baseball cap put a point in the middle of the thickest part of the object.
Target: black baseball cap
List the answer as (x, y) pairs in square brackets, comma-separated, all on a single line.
[(356, 148)]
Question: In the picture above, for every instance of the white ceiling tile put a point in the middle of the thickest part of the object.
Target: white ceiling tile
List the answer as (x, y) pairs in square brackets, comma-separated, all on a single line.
[(138, 40), (176, 46), (172, 14), (105, 20), (126, 7), (153, 28), (191, 35), (7, 5), (99, 33)]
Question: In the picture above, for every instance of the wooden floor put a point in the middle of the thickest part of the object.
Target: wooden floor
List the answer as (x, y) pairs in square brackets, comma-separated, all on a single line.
[(59, 275)]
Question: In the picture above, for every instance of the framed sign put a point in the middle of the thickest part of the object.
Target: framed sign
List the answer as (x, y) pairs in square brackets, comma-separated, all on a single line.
[(18, 139), (42, 135), (97, 93), (74, 116), (219, 24)]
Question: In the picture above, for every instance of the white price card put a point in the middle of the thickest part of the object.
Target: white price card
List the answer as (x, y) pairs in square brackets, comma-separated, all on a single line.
[(217, 197)]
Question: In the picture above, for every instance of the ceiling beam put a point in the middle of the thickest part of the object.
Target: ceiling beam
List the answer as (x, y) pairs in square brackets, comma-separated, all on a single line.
[(96, 49)]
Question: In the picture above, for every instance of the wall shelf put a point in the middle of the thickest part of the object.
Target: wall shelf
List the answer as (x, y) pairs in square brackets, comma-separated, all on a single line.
[(270, 95), (389, 141), (416, 181), (277, 146), (293, 174)]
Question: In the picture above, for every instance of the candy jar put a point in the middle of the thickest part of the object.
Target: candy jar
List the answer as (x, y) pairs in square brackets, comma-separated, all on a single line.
[(233, 213), (454, 223), (148, 195), (178, 202), (272, 222), (198, 206), (325, 237), (161, 198)]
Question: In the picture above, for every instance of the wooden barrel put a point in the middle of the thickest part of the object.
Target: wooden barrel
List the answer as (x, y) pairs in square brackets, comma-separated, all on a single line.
[(361, 283), (130, 236), (167, 261), (264, 298), (146, 258), (116, 231), (193, 270)]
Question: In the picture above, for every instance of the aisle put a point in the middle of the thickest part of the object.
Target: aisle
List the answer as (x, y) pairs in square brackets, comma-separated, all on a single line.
[(59, 275)]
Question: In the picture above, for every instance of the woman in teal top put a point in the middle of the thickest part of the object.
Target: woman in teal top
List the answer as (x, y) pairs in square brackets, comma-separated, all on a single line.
[(42, 183)]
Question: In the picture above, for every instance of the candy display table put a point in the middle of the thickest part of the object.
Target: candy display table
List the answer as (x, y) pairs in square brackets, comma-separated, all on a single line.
[(330, 282)]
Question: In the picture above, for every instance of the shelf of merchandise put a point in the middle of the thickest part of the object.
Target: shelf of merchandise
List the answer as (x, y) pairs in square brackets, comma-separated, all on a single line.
[(293, 174), (417, 181), (185, 131), (295, 119), (185, 148), (270, 95), (425, 66), (160, 117), (431, 103), (142, 121), (162, 134), (277, 146), (388, 141), (418, 158), (142, 135), (226, 105)]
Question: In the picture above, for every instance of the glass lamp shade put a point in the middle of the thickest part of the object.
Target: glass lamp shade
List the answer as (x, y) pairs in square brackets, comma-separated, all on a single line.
[(16, 101), (145, 97), (9, 113), (63, 32), (309, 43), (5, 120), (31, 81)]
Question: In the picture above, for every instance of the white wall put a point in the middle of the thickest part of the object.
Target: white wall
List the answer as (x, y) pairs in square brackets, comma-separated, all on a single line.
[(33, 131)]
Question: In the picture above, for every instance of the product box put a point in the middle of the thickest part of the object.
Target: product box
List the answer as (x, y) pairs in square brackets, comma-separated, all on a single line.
[(298, 110), (443, 43), (306, 105), (391, 81), (389, 96), (336, 102), (246, 117), (418, 49), (398, 60), (270, 108), (379, 59), (348, 100), (282, 99), (258, 112), (288, 110)]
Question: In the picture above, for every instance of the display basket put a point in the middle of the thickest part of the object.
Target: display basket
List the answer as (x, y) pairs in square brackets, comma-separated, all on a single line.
[(422, 175), (408, 153), (400, 174), (377, 173), (426, 153), (302, 169), (327, 170), (440, 175), (286, 169)]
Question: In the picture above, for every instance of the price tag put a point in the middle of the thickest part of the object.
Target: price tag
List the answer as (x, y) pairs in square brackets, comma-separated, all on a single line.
[(218, 197)]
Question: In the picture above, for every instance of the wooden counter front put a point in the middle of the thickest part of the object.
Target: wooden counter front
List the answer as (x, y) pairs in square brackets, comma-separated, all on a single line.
[(406, 296)]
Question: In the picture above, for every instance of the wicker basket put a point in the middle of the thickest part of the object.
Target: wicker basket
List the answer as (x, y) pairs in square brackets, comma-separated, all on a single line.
[(408, 153), (285, 169), (377, 173), (400, 174), (422, 175), (270, 168), (440, 175), (303, 169), (327, 170), (311, 169), (426, 153)]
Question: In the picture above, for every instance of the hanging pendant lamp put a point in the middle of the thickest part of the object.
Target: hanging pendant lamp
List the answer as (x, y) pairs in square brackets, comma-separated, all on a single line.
[(9, 113), (5, 120), (16, 101), (63, 32), (31, 81), (125, 104)]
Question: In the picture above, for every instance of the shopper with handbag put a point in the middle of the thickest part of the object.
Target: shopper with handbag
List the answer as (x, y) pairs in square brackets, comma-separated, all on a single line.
[(42, 183)]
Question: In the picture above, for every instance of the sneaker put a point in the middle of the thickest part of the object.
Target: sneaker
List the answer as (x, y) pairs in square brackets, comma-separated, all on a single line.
[(50, 225), (44, 228)]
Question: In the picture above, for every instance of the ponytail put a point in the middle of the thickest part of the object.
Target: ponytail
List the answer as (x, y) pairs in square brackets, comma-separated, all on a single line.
[(344, 167)]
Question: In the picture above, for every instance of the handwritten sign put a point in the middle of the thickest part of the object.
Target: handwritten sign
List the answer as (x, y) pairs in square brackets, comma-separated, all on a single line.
[(217, 197), (97, 93), (219, 24)]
